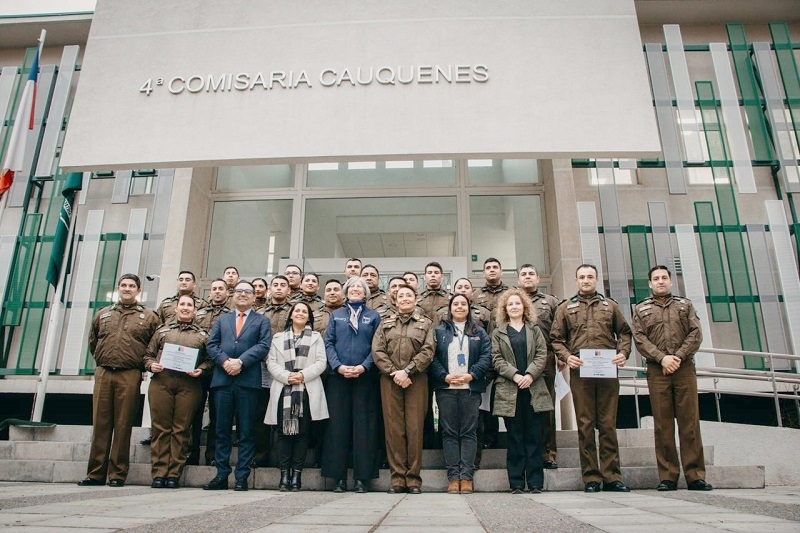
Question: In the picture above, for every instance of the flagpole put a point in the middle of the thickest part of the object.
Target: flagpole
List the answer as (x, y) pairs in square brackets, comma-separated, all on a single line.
[(53, 328)]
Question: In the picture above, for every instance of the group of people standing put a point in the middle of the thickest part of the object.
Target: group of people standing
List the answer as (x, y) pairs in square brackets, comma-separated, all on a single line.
[(368, 362)]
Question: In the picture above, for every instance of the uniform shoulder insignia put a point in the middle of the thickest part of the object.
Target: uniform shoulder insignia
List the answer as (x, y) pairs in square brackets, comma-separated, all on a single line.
[(105, 315), (643, 306), (573, 305), (681, 299), (203, 332), (202, 312)]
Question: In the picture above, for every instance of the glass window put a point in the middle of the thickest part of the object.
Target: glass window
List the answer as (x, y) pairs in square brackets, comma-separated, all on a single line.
[(431, 173), (381, 227), (503, 171), (255, 177), (508, 228), (251, 235)]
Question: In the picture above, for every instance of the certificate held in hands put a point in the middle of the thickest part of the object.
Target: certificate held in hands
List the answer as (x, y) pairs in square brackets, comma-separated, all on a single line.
[(179, 358), (598, 363)]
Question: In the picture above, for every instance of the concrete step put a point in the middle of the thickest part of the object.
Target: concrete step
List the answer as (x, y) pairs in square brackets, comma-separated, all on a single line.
[(431, 459), (66, 433), (486, 480)]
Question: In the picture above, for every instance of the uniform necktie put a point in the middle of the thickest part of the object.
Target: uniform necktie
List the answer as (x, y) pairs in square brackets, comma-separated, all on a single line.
[(239, 323)]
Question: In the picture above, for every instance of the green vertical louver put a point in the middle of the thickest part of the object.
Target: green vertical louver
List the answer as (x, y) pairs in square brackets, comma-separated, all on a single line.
[(749, 91), (36, 304), (712, 260), (20, 277), (640, 260), (106, 281), (731, 228), (789, 74)]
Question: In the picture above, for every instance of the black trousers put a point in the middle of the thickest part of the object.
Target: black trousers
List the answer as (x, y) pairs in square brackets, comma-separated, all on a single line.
[(292, 449), (524, 456), (354, 406)]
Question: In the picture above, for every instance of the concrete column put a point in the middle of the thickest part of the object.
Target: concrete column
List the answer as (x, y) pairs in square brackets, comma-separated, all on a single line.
[(563, 243), (187, 227)]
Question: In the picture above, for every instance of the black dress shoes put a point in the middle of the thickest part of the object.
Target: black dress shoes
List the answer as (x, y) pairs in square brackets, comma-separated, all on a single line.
[(341, 486), (158, 483), (172, 483), (218, 483), (360, 487), (396, 490), (240, 485), (550, 465), (116, 483), (415, 490), (517, 490), (536, 490), (592, 486), (667, 485), (616, 486), (89, 482), (699, 484)]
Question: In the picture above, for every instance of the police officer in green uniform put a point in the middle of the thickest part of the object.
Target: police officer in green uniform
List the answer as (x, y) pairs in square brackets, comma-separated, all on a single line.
[(490, 293), (667, 333), (334, 299), (377, 296), (591, 321), (309, 287), (295, 276), (434, 297), (260, 287), (231, 277), (118, 342), (186, 285), (545, 307), (174, 395)]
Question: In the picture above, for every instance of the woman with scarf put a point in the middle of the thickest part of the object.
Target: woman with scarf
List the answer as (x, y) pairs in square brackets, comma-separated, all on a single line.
[(296, 361), (352, 391)]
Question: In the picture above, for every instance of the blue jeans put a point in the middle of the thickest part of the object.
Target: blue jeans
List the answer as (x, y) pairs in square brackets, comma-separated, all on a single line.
[(458, 417)]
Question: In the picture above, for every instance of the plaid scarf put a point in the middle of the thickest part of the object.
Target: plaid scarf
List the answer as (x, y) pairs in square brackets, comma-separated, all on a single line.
[(296, 360)]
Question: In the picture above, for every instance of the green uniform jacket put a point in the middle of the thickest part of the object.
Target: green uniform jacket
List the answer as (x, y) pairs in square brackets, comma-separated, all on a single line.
[(504, 362)]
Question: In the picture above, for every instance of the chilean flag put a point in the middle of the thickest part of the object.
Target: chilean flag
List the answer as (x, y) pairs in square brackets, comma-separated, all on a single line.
[(22, 125)]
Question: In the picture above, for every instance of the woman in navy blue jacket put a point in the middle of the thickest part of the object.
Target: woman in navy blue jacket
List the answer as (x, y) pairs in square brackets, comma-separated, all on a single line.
[(463, 356), (352, 391)]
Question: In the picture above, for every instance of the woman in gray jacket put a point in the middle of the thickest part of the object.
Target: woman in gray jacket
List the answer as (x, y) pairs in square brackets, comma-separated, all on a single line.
[(519, 353)]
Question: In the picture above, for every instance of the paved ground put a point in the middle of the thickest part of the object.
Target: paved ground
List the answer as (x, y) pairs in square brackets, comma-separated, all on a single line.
[(33, 507)]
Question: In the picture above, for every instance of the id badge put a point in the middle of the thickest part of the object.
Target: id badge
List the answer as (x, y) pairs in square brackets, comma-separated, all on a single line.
[(461, 359)]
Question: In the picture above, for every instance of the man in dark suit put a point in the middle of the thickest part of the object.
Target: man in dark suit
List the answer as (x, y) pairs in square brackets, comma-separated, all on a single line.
[(238, 343)]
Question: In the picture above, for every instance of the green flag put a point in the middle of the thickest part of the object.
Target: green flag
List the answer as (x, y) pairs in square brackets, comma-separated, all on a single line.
[(74, 183)]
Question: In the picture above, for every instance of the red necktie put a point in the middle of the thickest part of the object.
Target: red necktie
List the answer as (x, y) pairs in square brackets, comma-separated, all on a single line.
[(239, 323)]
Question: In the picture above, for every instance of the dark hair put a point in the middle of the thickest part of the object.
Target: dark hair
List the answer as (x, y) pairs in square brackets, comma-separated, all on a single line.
[(434, 264), (528, 265), (492, 260), (586, 265), (406, 286), (352, 259), (279, 276), (231, 267), (261, 280), (333, 281), (133, 277), (371, 266), (187, 272), (658, 267), (194, 304), (310, 322), (213, 281), (470, 327), (246, 283), (460, 279), (311, 274), (396, 277), (407, 272), (296, 266)]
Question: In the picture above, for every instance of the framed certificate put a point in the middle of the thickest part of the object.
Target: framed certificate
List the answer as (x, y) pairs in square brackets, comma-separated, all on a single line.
[(179, 358), (598, 363)]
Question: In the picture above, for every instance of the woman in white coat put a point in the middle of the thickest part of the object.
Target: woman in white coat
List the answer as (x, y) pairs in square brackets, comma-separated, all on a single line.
[(296, 361)]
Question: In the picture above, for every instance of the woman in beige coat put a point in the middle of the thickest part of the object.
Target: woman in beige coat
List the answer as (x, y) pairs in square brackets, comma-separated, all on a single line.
[(296, 361), (519, 353)]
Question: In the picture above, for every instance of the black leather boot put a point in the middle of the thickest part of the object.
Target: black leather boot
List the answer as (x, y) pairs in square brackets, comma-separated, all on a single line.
[(297, 483), (283, 486)]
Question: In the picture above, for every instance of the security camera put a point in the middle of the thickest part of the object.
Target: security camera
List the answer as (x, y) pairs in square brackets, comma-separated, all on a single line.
[(151, 277)]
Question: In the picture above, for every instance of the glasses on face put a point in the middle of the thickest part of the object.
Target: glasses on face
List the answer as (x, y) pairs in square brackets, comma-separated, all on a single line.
[(244, 291)]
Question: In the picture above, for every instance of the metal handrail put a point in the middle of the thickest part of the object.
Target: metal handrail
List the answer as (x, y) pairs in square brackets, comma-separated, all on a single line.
[(734, 373)]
